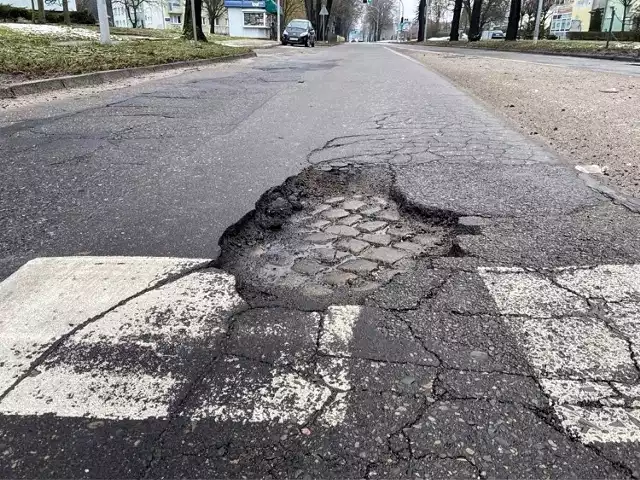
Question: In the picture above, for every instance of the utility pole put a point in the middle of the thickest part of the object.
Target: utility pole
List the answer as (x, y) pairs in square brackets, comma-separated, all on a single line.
[(613, 14), (536, 33), (103, 18), (278, 21)]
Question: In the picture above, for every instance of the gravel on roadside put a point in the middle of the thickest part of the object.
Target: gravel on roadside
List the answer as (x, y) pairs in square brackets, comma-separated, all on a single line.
[(590, 118)]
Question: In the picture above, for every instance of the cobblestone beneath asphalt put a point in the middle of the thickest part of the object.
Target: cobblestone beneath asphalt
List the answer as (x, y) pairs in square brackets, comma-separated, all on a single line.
[(357, 249), (358, 241)]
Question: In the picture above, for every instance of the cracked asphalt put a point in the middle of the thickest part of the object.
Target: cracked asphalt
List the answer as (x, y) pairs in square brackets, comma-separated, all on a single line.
[(376, 278)]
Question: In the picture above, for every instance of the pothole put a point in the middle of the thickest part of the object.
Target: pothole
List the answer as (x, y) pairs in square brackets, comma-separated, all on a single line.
[(331, 236)]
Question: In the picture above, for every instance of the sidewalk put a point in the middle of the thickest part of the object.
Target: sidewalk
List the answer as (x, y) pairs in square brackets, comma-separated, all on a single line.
[(435, 296)]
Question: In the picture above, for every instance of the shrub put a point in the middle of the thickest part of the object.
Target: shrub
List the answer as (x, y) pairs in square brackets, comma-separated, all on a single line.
[(9, 13), (633, 36)]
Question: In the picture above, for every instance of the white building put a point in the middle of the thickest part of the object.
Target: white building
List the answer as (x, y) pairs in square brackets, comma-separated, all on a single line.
[(149, 15)]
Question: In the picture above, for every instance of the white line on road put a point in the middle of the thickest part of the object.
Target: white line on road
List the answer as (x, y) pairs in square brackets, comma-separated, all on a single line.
[(79, 381), (49, 297), (96, 394), (579, 355)]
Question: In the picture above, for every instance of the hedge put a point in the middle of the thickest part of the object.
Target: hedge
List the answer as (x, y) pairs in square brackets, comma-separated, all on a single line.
[(9, 13), (633, 36)]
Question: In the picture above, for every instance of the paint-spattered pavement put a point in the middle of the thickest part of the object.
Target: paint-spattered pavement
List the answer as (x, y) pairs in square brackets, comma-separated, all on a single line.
[(432, 296)]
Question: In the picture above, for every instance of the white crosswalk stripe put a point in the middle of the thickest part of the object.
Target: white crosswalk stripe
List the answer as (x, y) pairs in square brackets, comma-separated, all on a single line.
[(580, 329), (191, 308), (48, 297)]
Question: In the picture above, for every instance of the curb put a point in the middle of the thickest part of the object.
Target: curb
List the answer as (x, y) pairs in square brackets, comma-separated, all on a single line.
[(96, 78), (595, 56), (630, 203)]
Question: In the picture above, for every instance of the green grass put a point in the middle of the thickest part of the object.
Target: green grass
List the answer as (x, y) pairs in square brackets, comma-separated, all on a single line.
[(139, 32), (554, 46), (38, 56)]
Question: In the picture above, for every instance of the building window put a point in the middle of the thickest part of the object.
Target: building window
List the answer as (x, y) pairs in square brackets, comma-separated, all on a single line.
[(561, 22), (254, 19), (176, 19)]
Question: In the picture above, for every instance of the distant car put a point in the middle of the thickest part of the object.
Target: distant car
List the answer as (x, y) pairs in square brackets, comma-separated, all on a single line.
[(299, 32), (497, 35)]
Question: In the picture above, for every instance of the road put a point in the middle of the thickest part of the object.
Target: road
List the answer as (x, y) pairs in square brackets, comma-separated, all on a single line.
[(421, 291), (596, 65)]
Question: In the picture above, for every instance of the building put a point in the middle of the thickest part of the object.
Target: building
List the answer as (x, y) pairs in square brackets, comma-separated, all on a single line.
[(587, 15), (165, 14), (149, 15), (251, 18), (560, 16)]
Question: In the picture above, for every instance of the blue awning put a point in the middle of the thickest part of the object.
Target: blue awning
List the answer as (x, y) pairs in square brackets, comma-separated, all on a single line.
[(244, 4)]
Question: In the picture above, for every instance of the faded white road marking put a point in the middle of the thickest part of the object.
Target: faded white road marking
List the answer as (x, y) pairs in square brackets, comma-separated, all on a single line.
[(525, 293), (109, 395), (574, 350), (244, 391), (48, 297), (604, 424), (191, 307), (575, 391), (613, 283), (337, 332)]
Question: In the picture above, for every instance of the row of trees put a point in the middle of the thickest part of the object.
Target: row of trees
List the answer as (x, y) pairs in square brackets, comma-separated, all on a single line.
[(486, 11)]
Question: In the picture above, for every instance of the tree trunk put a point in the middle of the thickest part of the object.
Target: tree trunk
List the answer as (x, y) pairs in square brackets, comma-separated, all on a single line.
[(422, 6), (41, 15), (187, 30), (514, 17), (65, 11), (624, 15), (212, 29), (474, 27), (454, 36)]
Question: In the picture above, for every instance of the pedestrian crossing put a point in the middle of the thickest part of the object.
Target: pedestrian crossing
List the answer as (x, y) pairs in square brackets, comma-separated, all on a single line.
[(112, 338), (93, 372), (580, 329)]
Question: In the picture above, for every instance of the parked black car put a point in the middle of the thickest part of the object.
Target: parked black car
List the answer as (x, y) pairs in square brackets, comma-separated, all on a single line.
[(299, 32)]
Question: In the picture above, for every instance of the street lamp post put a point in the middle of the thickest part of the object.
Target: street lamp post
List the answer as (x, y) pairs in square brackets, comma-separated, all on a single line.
[(103, 18), (401, 6), (278, 20), (536, 33)]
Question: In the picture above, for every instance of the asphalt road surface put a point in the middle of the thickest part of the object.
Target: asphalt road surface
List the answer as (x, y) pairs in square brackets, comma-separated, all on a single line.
[(425, 293), (628, 67)]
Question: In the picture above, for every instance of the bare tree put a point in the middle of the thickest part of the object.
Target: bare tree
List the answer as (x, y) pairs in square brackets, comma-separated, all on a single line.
[(379, 16), (65, 9), (215, 8), (187, 25), (134, 10), (422, 5), (437, 8), (454, 36), (514, 19), (313, 8), (530, 9), (344, 14), (474, 25), (41, 15), (291, 9)]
